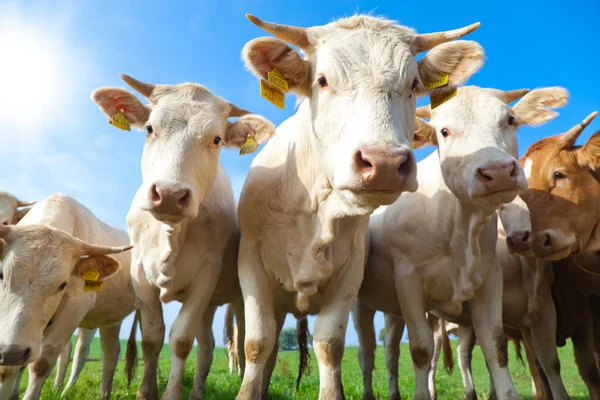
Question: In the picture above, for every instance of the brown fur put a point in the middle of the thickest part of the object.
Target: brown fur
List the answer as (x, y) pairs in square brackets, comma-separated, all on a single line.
[(420, 356), (501, 348), (131, 355), (447, 349), (254, 349), (333, 351), (304, 356), (183, 348), (41, 367)]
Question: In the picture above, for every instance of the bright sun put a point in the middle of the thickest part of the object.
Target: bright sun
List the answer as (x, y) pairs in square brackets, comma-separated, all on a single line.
[(31, 73)]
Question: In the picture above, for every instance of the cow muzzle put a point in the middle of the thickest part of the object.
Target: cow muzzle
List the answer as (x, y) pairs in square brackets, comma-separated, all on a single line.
[(169, 201), (499, 176), (381, 169), (519, 241), (552, 244), (14, 355)]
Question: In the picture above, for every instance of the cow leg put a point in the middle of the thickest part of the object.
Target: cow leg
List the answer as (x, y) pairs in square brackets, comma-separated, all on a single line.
[(9, 383), (466, 344), (62, 364), (204, 353), (594, 302), (394, 329), (410, 295), (261, 327), (540, 385), (434, 323), (543, 341), (486, 308), (153, 333), (238, 309), (362, 317), (65, 321), (183, 331), (270, 365), (111, 347), (583, 347), (82, 351), (17, 384)]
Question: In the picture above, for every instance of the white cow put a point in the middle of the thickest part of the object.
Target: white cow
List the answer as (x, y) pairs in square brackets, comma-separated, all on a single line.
[(442, 253), (182, 220), (47, 266), (306, 201), (11, 209)]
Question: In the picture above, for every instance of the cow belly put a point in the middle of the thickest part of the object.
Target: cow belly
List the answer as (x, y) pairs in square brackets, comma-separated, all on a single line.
[(286, 302)]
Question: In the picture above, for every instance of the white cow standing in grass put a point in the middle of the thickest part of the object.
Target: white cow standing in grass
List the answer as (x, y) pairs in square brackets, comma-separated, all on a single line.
[(12, 210), (182, 220), (443, 252), (305, 205), (47, 264)]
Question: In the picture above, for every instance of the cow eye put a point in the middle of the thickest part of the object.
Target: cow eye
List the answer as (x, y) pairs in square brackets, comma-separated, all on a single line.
[(217, 140), (558, 176), (445, 132), (62, 286), (415, 84), (322, 81), (511, 120), (149, 129)]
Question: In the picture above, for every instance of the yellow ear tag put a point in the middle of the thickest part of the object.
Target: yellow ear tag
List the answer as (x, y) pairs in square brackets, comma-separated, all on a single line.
[(436, 84), (92, 275), (272, 94), (412, 145), (276, 79), (93, 286), (248, 147), (436, 102), (119, 121)]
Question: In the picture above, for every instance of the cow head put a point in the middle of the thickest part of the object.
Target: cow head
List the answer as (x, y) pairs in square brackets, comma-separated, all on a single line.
[(360, 78), (563, 193), (475, 133), (516, 226), (37, 265), (186, 127), (11, 209)]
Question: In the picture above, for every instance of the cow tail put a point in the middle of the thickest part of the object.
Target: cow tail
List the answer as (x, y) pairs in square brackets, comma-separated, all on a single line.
[(304, 356), (131, 356)]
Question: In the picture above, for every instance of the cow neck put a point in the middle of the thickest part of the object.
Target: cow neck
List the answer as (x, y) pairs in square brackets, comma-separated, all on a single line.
[(172, 235)]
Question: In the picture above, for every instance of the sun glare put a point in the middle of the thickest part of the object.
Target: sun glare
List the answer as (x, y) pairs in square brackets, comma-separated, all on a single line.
[(32, 73)]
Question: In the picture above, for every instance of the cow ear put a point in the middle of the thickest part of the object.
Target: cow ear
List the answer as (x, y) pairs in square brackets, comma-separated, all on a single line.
[(263, 54), (20, 214), (458, 60), (424, 134), (250, 125), (589, 154), (112, 100), (536, 107), (96, 268)]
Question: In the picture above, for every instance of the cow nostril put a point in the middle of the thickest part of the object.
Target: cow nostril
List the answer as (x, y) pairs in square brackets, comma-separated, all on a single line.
[(26, 353), (184, 200), (525, 236), (155, 194), (483, 176), (547, 241), (362, 160), (404, 167)]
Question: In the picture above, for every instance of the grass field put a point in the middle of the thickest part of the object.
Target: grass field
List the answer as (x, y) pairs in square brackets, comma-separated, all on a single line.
[(222, 386)]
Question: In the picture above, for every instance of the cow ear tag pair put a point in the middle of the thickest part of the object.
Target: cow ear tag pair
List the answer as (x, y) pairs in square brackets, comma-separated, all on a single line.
[(273, 90), (249, 146), (119, 121), (91, 280), (436, 101)]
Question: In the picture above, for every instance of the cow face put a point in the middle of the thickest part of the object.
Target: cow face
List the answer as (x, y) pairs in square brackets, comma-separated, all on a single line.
[(38, 263), (11, 210), (477, 145), (563, 193), (186, 126), (361, 78), (516, 226)]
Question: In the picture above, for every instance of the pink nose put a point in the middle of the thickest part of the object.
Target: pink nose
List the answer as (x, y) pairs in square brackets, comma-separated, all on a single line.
[(382, 169), (169, 199), (518, 241), (498, 176), (14, 355)]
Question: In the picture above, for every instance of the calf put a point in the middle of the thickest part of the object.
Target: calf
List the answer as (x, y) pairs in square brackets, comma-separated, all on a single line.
[(442, 253), (182, 220), (306, 201), (12, 209), (49, 282), (563, 198)]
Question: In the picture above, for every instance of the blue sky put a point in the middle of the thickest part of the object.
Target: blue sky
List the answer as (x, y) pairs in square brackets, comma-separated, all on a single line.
[(55, 139)]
